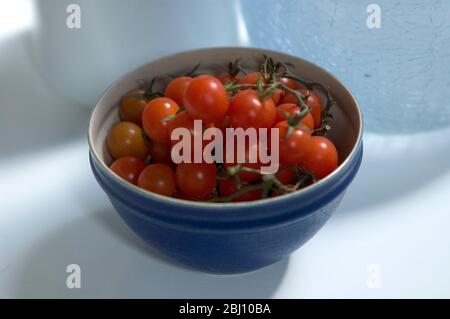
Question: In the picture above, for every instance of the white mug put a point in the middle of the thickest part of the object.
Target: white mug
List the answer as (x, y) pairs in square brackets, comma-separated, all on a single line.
[(82, 46)]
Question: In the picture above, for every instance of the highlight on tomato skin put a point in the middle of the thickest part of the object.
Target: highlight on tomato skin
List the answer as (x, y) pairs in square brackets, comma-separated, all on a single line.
[(153, 118), (248, 109), (206, 99), (141, 143)]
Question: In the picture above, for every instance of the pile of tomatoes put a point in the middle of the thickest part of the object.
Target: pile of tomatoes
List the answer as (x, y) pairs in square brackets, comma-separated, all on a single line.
[(140, 144)]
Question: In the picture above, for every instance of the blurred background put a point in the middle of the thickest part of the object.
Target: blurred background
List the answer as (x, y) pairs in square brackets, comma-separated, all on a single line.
[(57, 57)]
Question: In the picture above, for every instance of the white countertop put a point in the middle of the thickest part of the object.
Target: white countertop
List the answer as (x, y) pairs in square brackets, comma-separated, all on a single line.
[(390, 237)]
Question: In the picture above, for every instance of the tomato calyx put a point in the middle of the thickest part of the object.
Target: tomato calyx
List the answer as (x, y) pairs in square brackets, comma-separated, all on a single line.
[(234, 68), (148, 93), (191, 73)]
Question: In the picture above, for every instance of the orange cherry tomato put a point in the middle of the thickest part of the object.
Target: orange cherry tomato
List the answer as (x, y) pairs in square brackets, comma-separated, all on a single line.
[(126, 139)]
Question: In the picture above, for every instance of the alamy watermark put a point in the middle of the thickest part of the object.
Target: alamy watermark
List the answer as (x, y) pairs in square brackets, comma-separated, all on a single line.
[(73, 20), (234, 141), (73, 280)]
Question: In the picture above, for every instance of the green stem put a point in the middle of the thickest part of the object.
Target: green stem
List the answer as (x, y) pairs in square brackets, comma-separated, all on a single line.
[(239, 193)]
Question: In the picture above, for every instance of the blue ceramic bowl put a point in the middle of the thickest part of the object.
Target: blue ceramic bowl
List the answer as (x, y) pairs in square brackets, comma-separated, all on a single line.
[(234, 237)]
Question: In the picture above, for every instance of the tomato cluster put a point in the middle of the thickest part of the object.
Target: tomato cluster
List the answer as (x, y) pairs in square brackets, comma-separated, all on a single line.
[(141, 143)]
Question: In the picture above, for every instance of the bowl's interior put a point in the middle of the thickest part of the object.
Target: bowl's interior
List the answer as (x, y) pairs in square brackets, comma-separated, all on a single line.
[(347, 118)]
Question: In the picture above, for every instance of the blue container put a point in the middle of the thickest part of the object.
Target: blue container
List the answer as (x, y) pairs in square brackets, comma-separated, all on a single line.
[(398, 68), (234, 237)]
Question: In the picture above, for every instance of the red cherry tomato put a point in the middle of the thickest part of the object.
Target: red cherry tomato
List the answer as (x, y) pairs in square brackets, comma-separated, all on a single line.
[(128, 168), (252, 78), (276, 96), (292, 149), (206, 99), (247, 109), (196, 181), (176, 88), (225, 78), (183, 120), (292, 109), (321, 156), (286, 175), (160, 153), (154, 116), (313, 101), (292, 84), (158, 178), (228, 187)]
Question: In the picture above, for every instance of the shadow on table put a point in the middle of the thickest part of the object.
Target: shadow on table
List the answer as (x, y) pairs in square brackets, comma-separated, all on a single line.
[(116, 263), (396, 166), (33, 117)]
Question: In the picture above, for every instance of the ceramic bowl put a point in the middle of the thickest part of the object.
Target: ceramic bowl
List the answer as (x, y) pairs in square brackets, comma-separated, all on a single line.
[(232, 237)]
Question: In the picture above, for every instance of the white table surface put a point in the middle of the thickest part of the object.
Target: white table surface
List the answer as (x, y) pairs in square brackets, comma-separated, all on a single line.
[(394, 223)]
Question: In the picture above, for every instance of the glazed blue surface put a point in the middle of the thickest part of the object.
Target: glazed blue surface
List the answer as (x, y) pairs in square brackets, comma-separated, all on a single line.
[(228, 238)]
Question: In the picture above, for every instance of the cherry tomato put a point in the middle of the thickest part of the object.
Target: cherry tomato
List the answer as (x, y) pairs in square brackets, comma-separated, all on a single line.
[(293, 149), (313, 101), (160, 153), (291, 109), (183, 120), (251, 78), (248, 110), (176, 88), (276, 96), (286, 175), (158, 178), (292, 84), (153, 118), (132, 105), (228, 187), (128, 168), (321, 156), (196, 181), (206, 99), (126, 139), (289, 98), (225, 78)]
